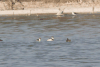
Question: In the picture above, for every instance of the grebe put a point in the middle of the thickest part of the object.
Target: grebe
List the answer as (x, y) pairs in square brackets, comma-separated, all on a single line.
[(51, 39)]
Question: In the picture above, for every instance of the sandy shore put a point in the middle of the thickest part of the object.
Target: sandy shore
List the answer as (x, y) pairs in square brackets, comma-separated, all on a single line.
[(51, 8)]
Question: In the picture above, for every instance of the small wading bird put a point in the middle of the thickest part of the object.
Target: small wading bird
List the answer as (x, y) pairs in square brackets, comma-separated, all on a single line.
[(38, 39), (1, 40), (60, 12), (73, 13), (51, 39), (68, 40)]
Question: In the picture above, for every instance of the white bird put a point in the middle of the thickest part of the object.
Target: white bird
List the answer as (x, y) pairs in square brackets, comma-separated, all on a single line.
[(73, 13), (39, 39), (51, 39), (60, 12)]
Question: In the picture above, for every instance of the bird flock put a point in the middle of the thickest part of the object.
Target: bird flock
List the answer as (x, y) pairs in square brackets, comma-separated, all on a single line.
[(52, 39), (61, 11)]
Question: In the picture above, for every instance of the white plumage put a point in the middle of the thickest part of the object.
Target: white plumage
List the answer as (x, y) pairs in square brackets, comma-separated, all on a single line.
[(39, 39), (51, 39), (73, 13), (60, 12)]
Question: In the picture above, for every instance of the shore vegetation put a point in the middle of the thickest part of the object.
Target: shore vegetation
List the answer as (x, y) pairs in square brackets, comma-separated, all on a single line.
[(27, 4)]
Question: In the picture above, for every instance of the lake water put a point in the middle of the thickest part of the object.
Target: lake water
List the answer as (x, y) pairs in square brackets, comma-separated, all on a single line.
[(19, 47)]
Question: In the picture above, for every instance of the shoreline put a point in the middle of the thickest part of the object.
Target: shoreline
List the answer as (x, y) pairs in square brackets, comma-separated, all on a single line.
[(49, 10)]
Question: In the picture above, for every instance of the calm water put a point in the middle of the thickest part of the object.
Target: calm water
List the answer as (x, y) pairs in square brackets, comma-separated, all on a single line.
[(19, 47)]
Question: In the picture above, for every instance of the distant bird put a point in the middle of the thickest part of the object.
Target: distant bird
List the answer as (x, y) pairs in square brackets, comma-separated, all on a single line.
[(51, 39), (60, 12), (39, 39), (73, 13), (68, 40), (1, 40), (37, 15)]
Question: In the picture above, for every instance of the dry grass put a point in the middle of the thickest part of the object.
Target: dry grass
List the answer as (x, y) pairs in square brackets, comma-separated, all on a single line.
[(7, 4), (56, 1), (53, 5)]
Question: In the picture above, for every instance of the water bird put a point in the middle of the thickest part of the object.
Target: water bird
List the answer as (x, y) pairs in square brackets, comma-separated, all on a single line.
[(41, 19), (68, 40), (60, 12), (1, 40), (73, 13), (51, 39), (37, 15), (39, 39)]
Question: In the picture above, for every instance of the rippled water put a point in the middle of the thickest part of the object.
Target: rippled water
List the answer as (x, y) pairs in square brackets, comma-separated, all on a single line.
[(19, 47)]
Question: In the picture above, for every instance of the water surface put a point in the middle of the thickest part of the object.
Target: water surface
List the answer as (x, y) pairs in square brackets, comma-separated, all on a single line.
[(19, 47)]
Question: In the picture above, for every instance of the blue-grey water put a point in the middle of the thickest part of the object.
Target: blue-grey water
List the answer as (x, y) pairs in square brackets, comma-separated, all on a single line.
[(19, 47)]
